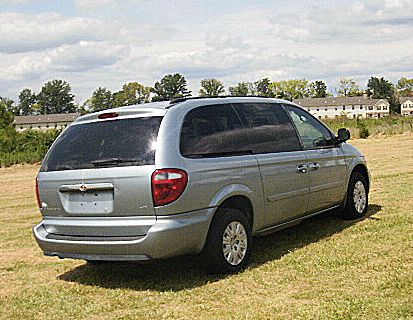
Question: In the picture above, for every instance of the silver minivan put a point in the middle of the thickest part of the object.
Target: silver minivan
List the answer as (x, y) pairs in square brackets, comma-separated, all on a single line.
[(192, 176)]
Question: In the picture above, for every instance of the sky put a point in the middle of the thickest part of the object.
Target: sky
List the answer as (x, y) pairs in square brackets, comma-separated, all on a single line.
[(106, 43)]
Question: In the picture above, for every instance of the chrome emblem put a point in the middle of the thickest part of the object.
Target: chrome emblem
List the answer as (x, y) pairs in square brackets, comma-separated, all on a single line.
[(83, 188)]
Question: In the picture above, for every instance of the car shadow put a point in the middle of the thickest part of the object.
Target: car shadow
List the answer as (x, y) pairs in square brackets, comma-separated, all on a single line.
[(176, 274)]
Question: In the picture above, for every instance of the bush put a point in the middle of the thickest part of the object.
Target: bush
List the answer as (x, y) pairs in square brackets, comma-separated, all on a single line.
[(9, 159), (363, 131), (24, 147), (389, 125)]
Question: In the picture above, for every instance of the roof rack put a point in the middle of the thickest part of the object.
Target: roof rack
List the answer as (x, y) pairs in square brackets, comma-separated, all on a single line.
[(177, 100)]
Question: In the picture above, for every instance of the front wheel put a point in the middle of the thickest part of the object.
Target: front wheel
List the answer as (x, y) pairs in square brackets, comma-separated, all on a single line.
[(357, 197), (228, 246)]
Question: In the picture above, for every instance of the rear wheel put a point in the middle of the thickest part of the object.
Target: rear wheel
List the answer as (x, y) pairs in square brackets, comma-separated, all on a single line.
[(228, 246), (357, 197)]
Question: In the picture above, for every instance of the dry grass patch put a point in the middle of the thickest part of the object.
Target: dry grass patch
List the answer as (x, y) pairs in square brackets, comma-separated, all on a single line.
[(324, 268)]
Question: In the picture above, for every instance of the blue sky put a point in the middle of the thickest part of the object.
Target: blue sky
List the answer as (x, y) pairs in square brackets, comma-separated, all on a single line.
[(111, 42)]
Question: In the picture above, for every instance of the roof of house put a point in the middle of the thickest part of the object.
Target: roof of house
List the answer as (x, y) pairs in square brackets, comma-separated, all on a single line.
[(404, 99), (337, 101), (46, 118)]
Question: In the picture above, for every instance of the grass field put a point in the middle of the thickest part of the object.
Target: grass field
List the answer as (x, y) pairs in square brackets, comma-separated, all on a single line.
[(324, 268)]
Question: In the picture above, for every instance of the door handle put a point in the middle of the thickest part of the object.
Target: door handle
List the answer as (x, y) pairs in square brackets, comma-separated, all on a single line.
[(86, 187), (302, 168), (314, 166)]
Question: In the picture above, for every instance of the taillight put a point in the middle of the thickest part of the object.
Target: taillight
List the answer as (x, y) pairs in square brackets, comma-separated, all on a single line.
[(39, 203), (168, 185)]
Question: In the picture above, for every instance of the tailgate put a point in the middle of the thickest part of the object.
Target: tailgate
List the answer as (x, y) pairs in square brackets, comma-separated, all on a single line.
[(105, 192)]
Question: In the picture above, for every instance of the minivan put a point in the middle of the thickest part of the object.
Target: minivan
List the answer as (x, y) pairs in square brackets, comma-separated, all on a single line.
[(192, 176)]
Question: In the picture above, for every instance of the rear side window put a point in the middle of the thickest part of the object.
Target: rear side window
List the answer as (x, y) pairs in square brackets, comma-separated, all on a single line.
[(213, 131), (122, 142), (270, 128)]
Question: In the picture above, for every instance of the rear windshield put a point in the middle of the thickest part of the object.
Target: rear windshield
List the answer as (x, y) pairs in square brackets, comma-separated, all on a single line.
[(122, 142)]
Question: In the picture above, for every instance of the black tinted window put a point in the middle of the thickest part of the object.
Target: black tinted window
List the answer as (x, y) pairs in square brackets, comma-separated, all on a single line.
[(121, 142), (213, 131), (270, 128), (313, 133)]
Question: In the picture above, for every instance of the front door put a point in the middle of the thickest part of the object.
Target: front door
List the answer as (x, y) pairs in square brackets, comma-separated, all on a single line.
[(327, 169), (325, 161)]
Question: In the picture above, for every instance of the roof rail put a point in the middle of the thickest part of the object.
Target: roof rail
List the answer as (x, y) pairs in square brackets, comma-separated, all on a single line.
[(177, 100)]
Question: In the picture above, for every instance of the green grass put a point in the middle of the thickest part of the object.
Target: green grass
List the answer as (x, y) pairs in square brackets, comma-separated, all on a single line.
[(323, 268)]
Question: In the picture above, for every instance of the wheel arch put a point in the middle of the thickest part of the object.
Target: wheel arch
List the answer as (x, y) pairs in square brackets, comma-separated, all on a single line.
[(361, 168), (236, 196), (241, 203)]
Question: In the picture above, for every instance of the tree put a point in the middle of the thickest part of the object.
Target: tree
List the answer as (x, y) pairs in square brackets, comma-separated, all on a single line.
[(171, 86), (101, 99), (242, 89), (348, 87), (380, 88), (56, 97), (318, 89), (262, 88), (291, 89), (27, 99), (132, 93), (6, 115), (405, 87), (211, 88)]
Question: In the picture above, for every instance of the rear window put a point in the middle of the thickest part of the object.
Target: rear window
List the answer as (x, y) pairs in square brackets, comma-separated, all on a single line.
[(121, 142)]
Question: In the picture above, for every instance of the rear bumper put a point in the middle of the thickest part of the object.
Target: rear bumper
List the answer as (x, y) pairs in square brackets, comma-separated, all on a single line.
[(169, 236)]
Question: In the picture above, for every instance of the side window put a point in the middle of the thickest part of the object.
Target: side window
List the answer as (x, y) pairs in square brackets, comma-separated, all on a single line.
[(213, 131), (313, 133), (270, 129)]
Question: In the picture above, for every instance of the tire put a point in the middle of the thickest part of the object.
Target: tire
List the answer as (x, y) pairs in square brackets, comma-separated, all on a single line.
[(357, 198), (228, 244)]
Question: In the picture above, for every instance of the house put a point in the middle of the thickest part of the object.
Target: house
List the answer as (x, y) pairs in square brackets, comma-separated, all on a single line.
[(406, 106), (44, 121), (352, 107)]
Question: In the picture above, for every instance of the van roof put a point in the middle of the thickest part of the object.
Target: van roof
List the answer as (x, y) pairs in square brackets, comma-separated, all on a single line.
[(160, 108)]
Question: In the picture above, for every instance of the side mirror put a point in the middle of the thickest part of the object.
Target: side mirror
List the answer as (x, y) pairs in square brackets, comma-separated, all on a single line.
[(343, 135)]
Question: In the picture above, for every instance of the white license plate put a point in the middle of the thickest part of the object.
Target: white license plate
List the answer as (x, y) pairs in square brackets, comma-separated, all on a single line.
[(91, 202)]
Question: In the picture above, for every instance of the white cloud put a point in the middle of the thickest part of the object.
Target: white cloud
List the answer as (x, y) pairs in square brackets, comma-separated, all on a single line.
[(8, 2), (368, 21), (22, 33), (85, 56), (81, 57), (321, 41)]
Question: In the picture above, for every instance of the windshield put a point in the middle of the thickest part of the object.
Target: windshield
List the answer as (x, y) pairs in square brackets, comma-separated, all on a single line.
[(121, 142)]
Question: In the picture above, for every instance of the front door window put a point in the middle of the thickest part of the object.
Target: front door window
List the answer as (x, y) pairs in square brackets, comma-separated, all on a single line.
[(313, 133)]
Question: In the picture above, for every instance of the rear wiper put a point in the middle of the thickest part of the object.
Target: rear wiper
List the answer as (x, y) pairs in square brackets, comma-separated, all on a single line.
[(107, 161), (64, 167)]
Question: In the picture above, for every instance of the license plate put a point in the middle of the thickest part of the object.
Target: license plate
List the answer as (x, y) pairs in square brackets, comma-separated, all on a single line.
[(90, 202)]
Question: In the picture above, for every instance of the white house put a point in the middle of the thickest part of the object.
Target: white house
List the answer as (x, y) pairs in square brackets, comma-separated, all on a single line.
[(44, 121), (352, 107), (406, 106)]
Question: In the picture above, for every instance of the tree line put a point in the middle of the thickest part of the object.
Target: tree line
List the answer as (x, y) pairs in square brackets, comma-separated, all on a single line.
[(56, 96)]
